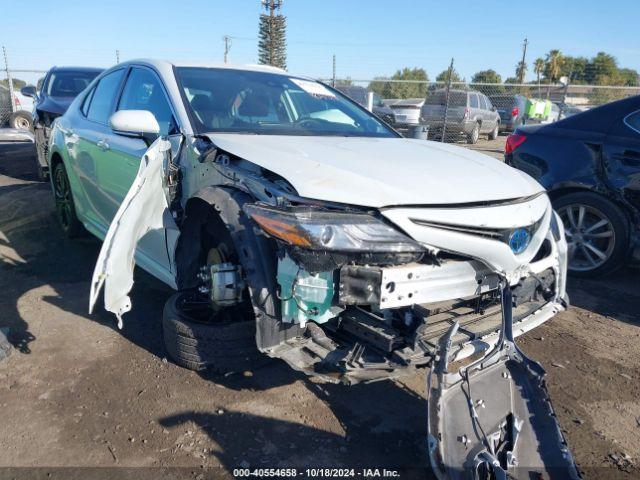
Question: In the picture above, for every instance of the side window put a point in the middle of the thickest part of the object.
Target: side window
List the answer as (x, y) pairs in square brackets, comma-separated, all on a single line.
[(489, 104), (143, 91), (86, 102), (483, 102), (473, 100), (633, 121), (103, 96)]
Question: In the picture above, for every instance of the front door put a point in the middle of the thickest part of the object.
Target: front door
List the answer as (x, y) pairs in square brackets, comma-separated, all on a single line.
[(143, 90)]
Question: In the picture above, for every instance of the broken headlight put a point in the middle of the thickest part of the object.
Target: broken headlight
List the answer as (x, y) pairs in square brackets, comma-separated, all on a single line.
[(319, 229)]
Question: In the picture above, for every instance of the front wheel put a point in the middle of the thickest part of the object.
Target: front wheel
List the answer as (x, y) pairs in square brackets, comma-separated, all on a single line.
[(597, 233), (198, 337)]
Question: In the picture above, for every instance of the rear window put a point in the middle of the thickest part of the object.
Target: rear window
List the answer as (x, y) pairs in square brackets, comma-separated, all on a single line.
[(456, 98), (69, 84), (504, 102)]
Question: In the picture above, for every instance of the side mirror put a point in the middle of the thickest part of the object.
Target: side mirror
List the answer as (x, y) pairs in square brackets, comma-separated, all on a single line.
[(135, 123), (29, 91)]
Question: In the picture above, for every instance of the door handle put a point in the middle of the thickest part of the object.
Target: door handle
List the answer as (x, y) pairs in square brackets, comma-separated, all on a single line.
[(103, 145)]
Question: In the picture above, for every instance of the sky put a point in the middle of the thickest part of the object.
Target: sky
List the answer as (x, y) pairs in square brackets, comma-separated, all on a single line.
[(369, 38)]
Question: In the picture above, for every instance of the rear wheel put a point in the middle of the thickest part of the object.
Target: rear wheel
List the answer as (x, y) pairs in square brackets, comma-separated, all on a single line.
[(472, 137), (65, 208), (597, 233), (494, 133)]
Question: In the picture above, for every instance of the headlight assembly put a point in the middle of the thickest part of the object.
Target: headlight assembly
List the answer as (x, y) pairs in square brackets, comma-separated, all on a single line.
[(317, 229)]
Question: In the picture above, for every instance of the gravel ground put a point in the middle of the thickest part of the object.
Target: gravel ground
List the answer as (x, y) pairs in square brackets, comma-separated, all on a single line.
[(76, 392)]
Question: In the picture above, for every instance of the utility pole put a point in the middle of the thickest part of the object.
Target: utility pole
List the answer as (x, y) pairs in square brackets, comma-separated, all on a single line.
[(522, 64), (117, 56), (9, 80), (333, 78), (227, 47)]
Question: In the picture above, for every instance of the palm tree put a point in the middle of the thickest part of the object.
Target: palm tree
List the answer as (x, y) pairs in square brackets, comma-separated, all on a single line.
[(538, 68), (553, 66)]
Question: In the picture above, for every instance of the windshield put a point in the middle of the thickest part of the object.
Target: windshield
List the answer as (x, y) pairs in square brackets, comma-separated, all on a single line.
[(240, 101), (457, 98), (69, 84)]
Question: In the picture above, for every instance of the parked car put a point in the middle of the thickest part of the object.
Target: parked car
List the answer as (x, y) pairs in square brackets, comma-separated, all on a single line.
[(18, 115), (407, 112), (292, 219), (511, 108), (59, 87), (590, 165), (570, 110), (468, 112), (359, 95)]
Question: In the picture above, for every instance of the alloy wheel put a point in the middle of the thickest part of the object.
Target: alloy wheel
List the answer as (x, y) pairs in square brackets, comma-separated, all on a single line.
[(590, 236), (63, 200)]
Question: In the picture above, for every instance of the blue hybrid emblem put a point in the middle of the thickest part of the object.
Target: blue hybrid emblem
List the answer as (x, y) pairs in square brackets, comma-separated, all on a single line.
[(519, 240)]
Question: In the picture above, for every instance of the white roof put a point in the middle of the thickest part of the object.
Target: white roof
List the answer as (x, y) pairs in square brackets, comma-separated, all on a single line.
[(187, 63)]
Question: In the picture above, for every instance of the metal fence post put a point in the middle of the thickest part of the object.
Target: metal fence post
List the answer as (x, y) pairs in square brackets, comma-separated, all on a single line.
[(446, 103), (9, 80), (564, 95)]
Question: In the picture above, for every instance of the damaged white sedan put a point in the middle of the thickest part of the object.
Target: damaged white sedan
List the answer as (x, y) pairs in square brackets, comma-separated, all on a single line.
[(294, 223)]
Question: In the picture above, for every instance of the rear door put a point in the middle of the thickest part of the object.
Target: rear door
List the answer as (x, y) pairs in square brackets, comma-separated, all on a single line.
[(622, 158), (90, 149), (143, 90), (488, 120)]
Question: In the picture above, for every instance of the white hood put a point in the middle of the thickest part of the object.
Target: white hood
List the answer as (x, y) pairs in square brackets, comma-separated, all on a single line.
[(380, 172)]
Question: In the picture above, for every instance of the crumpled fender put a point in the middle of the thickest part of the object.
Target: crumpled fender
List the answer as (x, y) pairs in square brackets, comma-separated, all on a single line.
[(256, 255), (144, 208)]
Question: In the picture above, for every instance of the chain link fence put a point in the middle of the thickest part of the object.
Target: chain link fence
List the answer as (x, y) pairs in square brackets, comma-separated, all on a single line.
[(11, 100), (467, 112)]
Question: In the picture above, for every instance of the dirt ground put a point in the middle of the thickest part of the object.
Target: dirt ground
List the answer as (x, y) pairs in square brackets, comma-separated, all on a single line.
[(76, 392)]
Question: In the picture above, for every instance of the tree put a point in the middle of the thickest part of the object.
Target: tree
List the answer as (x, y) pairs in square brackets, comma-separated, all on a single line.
[(538, 68), (521, 71), (272, 48), (629, 77), (553, 65), (344, 82), (444, 76), (17, 83), (576, 68), (416, 88), (486, 76)]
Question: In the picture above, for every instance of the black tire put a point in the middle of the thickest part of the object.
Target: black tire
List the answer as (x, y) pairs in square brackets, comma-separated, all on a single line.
[(222, 346), (617, 244), (21, 120), (65, 207), (494, 133), (472, 137)]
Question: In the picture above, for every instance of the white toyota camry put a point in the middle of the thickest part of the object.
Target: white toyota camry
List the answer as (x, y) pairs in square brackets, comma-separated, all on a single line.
[(293, 223)]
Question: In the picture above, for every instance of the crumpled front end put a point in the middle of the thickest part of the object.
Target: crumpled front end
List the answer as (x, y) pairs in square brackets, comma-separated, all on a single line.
[(373, 292)]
